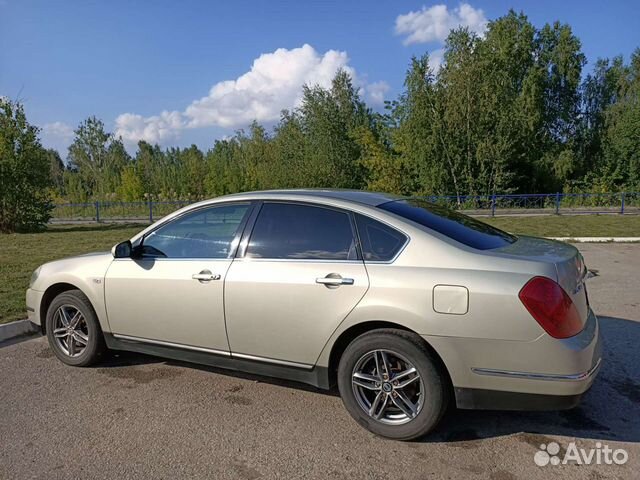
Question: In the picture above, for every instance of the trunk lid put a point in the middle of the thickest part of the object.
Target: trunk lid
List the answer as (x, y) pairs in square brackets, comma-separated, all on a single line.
[(570, 268)]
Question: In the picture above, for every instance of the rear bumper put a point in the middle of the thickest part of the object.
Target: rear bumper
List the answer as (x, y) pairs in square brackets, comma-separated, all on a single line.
[(470, 398), (476, 399), (543, 374)]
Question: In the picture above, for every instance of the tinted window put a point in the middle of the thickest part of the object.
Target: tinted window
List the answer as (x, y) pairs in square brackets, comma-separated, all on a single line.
[(379, 242), (285, 230), (206, 233), (463, 229)]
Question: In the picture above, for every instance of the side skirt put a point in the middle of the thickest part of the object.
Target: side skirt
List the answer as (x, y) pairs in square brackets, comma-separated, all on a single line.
[(317, 376)]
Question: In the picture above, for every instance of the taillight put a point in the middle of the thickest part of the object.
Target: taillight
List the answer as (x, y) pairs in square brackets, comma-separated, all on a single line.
[(552, 308)]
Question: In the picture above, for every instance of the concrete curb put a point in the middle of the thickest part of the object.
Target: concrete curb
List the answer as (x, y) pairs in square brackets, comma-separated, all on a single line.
[(17, 328), (597, 239)]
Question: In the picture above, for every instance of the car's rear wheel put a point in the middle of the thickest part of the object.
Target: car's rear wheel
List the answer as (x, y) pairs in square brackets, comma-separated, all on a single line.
[(391, 385), (73, 330)]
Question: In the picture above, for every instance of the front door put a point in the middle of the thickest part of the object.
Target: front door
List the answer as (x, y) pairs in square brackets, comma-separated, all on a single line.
[(299, 278), (173, 292)]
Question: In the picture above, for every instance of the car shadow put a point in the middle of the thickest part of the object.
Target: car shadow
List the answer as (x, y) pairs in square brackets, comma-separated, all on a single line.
[(608, 411)]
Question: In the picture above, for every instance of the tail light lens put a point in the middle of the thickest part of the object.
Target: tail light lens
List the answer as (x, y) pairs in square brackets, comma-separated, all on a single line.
[(551, 307)]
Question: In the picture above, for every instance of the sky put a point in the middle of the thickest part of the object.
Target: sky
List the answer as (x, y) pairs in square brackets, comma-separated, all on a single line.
[(183, 72)]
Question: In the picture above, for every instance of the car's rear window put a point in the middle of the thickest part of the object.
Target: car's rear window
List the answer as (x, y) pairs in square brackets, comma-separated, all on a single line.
[(459, 227)]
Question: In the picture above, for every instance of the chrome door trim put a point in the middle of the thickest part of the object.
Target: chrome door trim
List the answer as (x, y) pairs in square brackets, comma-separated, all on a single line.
[(575, 377), (296, 260), (175, 259), (272, 360), (171, 344)]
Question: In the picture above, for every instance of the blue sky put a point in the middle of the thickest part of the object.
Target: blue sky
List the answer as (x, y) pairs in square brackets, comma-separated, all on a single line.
[(190, 72)]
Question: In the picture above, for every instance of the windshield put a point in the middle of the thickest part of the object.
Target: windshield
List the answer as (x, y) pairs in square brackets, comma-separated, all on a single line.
[(459, 227)]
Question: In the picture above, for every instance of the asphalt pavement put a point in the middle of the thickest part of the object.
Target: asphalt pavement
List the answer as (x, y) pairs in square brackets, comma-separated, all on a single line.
[(136, 416)]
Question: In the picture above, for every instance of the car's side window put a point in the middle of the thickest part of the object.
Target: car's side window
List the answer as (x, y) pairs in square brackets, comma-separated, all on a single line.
[(380, 242), (302, 232), (205, 233)]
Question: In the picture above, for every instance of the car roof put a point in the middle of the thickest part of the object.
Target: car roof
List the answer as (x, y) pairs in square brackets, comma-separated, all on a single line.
[(368, 199), (359, 196)]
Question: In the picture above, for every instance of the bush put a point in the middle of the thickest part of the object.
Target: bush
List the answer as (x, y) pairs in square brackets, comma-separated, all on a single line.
[(24, 172)]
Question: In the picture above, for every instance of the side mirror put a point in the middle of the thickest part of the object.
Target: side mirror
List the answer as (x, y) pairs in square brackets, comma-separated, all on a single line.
[(122, 250)]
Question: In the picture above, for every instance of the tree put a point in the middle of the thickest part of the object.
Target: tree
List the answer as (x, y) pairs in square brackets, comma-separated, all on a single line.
[(413, 135), (621, 139), (195, 172), (131, 189), (98, 159), (24, 172), (56, 169), (149, 161), (561, 60), (329, 120), (225, 174), (385, 171), (289, 152)]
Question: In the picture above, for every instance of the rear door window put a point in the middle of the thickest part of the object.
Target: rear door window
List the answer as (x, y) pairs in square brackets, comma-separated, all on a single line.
[(302, 232)]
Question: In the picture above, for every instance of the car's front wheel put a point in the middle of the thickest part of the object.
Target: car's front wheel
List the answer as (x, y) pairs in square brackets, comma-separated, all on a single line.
[(73, 330), (391, 385)]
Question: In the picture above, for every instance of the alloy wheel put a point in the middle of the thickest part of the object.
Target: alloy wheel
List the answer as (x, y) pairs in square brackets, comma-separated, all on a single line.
[(387, 387), (70, 330)]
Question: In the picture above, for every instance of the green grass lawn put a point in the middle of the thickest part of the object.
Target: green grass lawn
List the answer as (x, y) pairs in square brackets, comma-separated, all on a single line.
[(20, 254), (611, 225)]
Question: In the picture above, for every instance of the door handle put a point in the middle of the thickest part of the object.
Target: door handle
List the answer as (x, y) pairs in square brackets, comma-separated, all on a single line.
[(205, 276), (334, 280)]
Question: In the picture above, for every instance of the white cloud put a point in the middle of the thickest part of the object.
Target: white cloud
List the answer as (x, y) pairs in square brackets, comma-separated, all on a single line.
[(436, 57), (155, 129), (59, 130), (376, 91), (273, 83), (434, 23)]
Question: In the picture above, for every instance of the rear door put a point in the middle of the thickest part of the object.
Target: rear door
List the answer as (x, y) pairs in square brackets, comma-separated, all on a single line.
[(297, 276)]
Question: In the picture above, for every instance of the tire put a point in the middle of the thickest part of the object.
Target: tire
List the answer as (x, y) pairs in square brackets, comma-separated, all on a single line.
[(427, 388), (63, 309)]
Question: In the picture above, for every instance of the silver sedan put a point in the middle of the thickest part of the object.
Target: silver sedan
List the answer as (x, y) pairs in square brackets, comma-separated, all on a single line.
[(406, 306)]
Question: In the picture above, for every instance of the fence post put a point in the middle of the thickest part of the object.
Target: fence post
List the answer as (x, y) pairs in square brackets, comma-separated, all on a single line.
[(622, 203), (557, 203), (493, 205), (150, 210), (97, 212)]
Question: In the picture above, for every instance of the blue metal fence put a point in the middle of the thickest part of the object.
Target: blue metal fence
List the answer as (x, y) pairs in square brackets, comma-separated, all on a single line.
[(478, 205)]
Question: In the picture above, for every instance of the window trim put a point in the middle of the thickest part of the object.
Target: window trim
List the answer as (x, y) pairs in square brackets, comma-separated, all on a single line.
[(234, 243), (407, 239), (241, 251)]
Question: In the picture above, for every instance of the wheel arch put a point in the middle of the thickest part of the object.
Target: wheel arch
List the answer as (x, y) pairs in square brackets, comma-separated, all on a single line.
[(49, 294), (354, 331)]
